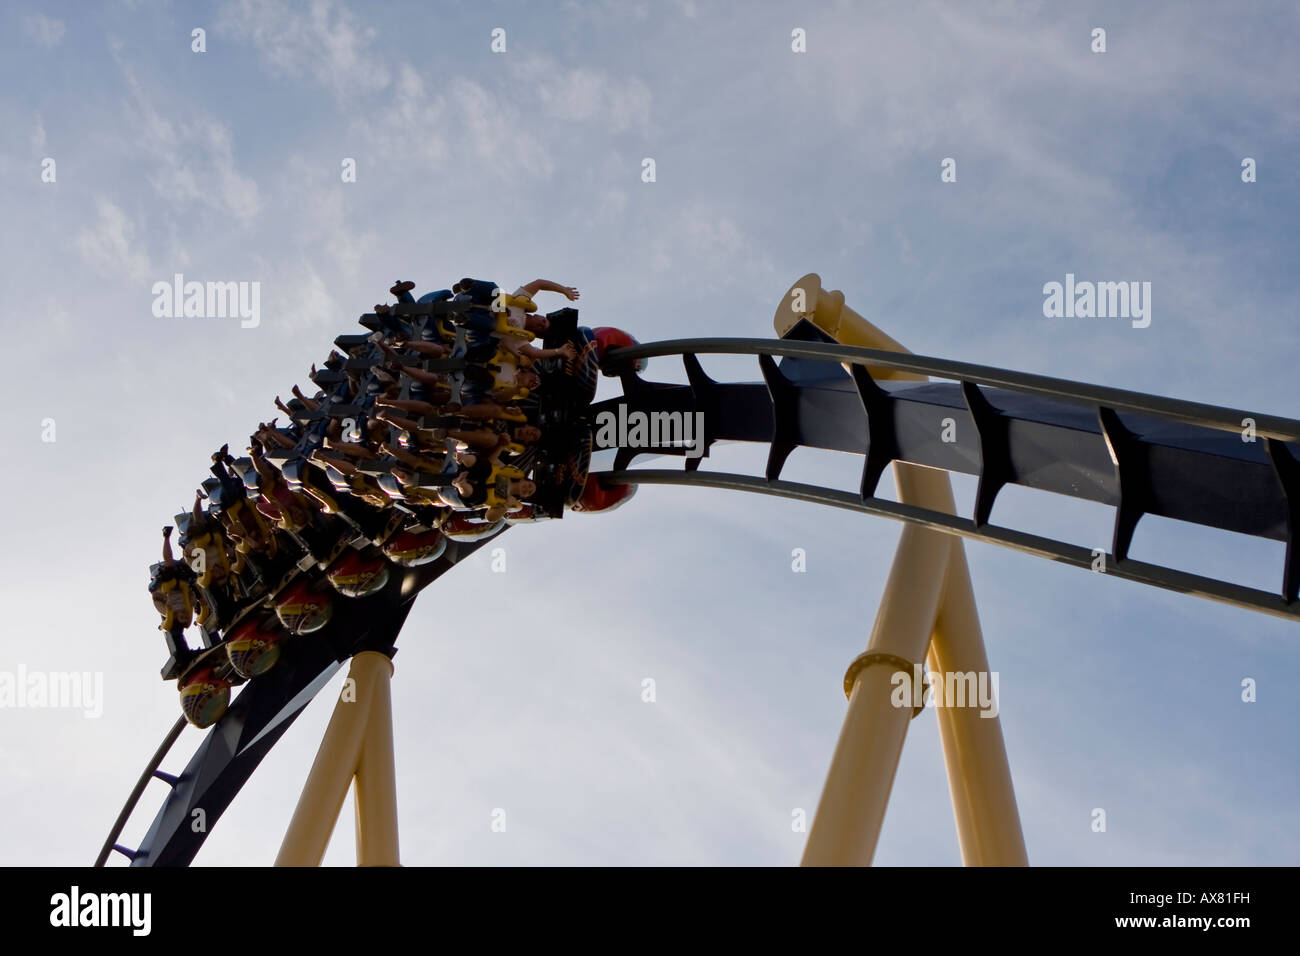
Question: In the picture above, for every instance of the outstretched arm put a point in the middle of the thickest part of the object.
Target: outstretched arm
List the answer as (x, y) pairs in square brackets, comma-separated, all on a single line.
[(546, 285), (265, 471), (334, 461), (516, 347)]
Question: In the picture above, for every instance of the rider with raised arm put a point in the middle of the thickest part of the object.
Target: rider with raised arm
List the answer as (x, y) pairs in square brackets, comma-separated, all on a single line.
[(170, 589)]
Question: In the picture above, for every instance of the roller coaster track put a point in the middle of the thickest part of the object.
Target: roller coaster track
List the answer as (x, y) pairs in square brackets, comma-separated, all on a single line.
[(1220, 468)]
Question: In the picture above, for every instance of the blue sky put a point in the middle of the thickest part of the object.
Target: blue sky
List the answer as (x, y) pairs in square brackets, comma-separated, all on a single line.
[(770, 164)]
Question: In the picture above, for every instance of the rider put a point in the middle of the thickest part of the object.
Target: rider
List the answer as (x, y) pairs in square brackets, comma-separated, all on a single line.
[(170, 589)]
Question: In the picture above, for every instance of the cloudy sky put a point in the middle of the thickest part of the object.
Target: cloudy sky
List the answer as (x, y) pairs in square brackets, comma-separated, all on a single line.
[(514, 165)]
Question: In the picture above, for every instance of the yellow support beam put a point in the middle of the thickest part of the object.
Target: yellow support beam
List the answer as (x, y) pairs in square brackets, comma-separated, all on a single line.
[(847, 824), (358, 743), (928, 610), (376, 780), (979, 774)]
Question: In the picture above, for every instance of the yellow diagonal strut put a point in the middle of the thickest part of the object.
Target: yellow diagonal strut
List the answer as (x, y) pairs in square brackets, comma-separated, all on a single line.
[(927, 611), (358, 744)]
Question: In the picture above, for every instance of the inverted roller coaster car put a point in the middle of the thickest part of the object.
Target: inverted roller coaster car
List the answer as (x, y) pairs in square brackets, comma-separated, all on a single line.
[(304, 607), (585, 369), (358, 573), (204, 697), (575, 387), (462, 527), (411, 549), (570, 475), (560, 470), (607, 337), (597, 496), (254, 645)]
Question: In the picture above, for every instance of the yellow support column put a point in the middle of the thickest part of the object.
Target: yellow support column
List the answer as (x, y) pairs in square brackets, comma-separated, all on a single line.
[(362, 720), (852, 806), (979, 775), (376, 779), (862, 770)]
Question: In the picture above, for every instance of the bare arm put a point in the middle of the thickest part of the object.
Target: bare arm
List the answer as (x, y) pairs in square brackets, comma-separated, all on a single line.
[(265, 471), (546, 285), (342, 464), (534, 353), (406, 405), (350, 448), (425, 348)]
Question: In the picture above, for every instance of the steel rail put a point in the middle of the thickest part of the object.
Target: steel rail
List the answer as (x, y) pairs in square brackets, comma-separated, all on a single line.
[(1170, 579)]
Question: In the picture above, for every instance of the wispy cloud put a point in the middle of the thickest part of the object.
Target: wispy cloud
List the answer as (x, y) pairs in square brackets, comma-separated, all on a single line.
[(108, 245), (330, 45), (44, 31), (192, 157), (583, 94)]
